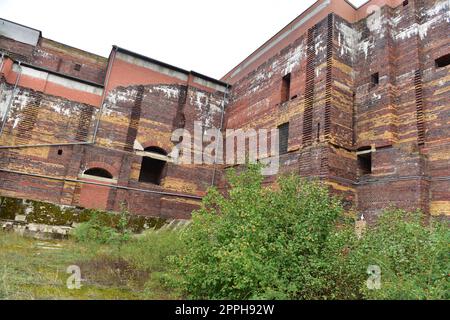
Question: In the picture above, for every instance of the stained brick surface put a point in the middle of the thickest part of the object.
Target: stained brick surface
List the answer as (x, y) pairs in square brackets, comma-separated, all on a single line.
[(404, 119), (335, 110)]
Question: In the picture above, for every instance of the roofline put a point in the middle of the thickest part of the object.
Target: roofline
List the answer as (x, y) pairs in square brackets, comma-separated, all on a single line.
[(75, 48), (94, 84), (281, 31), (29, 65), (116, 48), (140, 56), (169, 66), (271, 38), (262, 46), (355, 7), (215, 81)]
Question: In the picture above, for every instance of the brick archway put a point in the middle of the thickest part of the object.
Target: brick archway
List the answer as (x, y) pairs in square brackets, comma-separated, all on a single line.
[(95, 191), (101, 165)]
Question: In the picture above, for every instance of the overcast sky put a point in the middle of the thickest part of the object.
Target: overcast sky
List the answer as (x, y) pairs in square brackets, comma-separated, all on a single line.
[(207, 36)]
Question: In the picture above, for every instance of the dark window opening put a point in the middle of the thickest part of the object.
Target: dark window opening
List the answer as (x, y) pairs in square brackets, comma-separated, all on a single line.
[(405, 3), (286, 88), (374, 80), (365, 163), (283, 131), (152, 170), (98, 172), (318, 132), (443, 61), (60, 152), (77, 67)]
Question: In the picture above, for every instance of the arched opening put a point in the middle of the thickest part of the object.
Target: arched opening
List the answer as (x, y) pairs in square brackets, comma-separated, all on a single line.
[(153, 165), (95, 188), (98, 172)]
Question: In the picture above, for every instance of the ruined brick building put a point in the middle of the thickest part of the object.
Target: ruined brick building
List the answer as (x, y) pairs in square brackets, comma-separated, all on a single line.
[(361, 97)]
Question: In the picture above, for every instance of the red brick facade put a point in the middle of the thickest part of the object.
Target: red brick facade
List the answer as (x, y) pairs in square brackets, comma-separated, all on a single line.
[(368, 112)]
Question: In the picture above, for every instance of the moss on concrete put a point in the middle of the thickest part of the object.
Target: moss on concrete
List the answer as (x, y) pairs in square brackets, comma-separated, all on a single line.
[(57, 215), (10, 207)]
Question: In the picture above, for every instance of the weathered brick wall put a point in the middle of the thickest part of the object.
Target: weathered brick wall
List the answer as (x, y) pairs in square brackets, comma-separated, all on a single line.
[(158, 110), (433, 35), (142, 114), (58, 57), (319, 112), (335, 109), (406, 112), (39, 118)]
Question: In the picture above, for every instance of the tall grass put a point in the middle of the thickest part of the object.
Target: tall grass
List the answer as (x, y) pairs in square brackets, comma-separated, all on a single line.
[(150, 252), (137, 269)]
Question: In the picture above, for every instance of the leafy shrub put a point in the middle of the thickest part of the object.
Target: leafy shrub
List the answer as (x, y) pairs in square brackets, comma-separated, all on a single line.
[(265, 243), (98, 230), (294, 242), (413, 257)]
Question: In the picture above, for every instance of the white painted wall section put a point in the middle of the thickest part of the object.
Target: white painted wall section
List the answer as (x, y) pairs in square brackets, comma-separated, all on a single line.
[(19, 33), (64, 82)]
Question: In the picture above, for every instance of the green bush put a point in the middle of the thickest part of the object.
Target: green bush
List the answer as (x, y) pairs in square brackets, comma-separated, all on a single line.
[(413, 257), (294, 242), (261, 243), (98, 230)]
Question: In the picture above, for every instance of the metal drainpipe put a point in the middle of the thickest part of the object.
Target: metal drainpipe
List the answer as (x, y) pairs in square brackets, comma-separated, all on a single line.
[(1, 68), (5, 117), (105, 88), (213, 179), (1, 64)]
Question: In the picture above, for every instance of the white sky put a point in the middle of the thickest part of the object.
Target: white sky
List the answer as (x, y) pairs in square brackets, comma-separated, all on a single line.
[(207, 36), (358, 3)]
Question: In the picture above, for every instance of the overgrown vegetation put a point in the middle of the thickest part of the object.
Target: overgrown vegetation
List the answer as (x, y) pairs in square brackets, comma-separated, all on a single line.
[(101, 229), (413, 257), (36, 269), (293, 241)]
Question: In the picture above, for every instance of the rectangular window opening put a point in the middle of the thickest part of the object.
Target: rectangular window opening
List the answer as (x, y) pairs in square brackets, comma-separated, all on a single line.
[(374, 80), (286, 88), (365, 164), (443, 61), (283, 131), (405, 3), (77, 67), (318, 132)]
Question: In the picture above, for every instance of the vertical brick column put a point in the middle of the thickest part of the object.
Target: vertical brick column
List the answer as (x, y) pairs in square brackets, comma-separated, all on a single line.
[(71, 190), (29, 118), (309, 88), (134, 120)]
